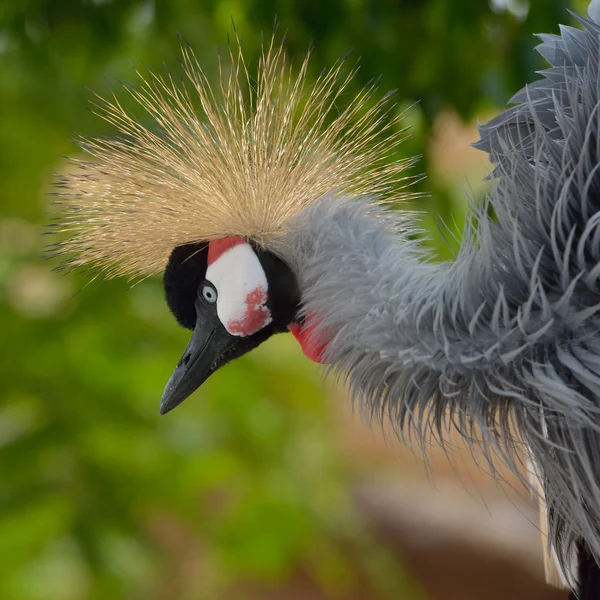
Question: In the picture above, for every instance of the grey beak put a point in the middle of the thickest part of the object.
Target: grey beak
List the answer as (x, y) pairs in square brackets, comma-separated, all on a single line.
[(206, 347)]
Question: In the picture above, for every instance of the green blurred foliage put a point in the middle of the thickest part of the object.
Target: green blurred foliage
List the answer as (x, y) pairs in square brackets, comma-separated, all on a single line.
[(99, 497)]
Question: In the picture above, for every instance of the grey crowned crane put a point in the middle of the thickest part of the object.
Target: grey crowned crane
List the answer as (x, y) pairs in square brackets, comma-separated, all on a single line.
[(267, 209)]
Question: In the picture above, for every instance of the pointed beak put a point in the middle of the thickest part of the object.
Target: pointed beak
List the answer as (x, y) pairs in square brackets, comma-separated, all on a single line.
[(204, 354)]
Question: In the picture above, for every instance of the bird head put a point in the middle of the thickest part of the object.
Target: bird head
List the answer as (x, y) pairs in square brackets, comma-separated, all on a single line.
[(207, 187), (233, 295)]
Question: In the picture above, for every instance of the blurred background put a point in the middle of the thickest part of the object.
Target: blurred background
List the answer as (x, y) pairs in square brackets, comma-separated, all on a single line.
[(264, 485)]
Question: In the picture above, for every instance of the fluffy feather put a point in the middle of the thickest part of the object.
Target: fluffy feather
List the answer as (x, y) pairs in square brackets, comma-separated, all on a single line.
[(237, 157), (504, 342)]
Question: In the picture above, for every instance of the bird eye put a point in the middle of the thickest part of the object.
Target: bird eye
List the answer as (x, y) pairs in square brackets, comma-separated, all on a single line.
[(209, 293)]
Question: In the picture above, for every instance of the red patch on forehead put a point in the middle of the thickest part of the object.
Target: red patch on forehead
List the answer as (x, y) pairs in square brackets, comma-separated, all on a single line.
[(256, 314), (217, 248)]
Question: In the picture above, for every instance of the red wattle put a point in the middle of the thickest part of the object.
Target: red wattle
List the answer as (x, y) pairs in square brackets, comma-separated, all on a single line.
[(313, 348)]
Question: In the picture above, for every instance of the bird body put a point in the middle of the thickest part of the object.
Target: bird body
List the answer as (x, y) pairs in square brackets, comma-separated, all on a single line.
[(269, 213)]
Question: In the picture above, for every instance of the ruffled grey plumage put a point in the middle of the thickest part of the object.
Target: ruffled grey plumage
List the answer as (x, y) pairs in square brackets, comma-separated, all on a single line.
[(504, 342)]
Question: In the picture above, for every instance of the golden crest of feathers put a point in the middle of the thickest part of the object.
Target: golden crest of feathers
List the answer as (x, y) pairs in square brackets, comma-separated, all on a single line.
[(237, 157)]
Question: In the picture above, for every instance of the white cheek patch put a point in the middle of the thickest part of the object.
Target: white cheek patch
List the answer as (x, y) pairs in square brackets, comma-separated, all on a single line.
[(241, 290)]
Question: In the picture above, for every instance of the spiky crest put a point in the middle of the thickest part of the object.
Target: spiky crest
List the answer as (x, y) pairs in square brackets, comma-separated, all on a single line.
[(239, 156)]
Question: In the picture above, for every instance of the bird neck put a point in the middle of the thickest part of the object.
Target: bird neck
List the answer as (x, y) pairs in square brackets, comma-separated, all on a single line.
[(373, 290), (364, 280), (419, 340)]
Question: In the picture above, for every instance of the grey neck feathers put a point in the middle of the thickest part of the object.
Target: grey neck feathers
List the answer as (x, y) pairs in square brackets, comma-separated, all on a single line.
[(506, 339)]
